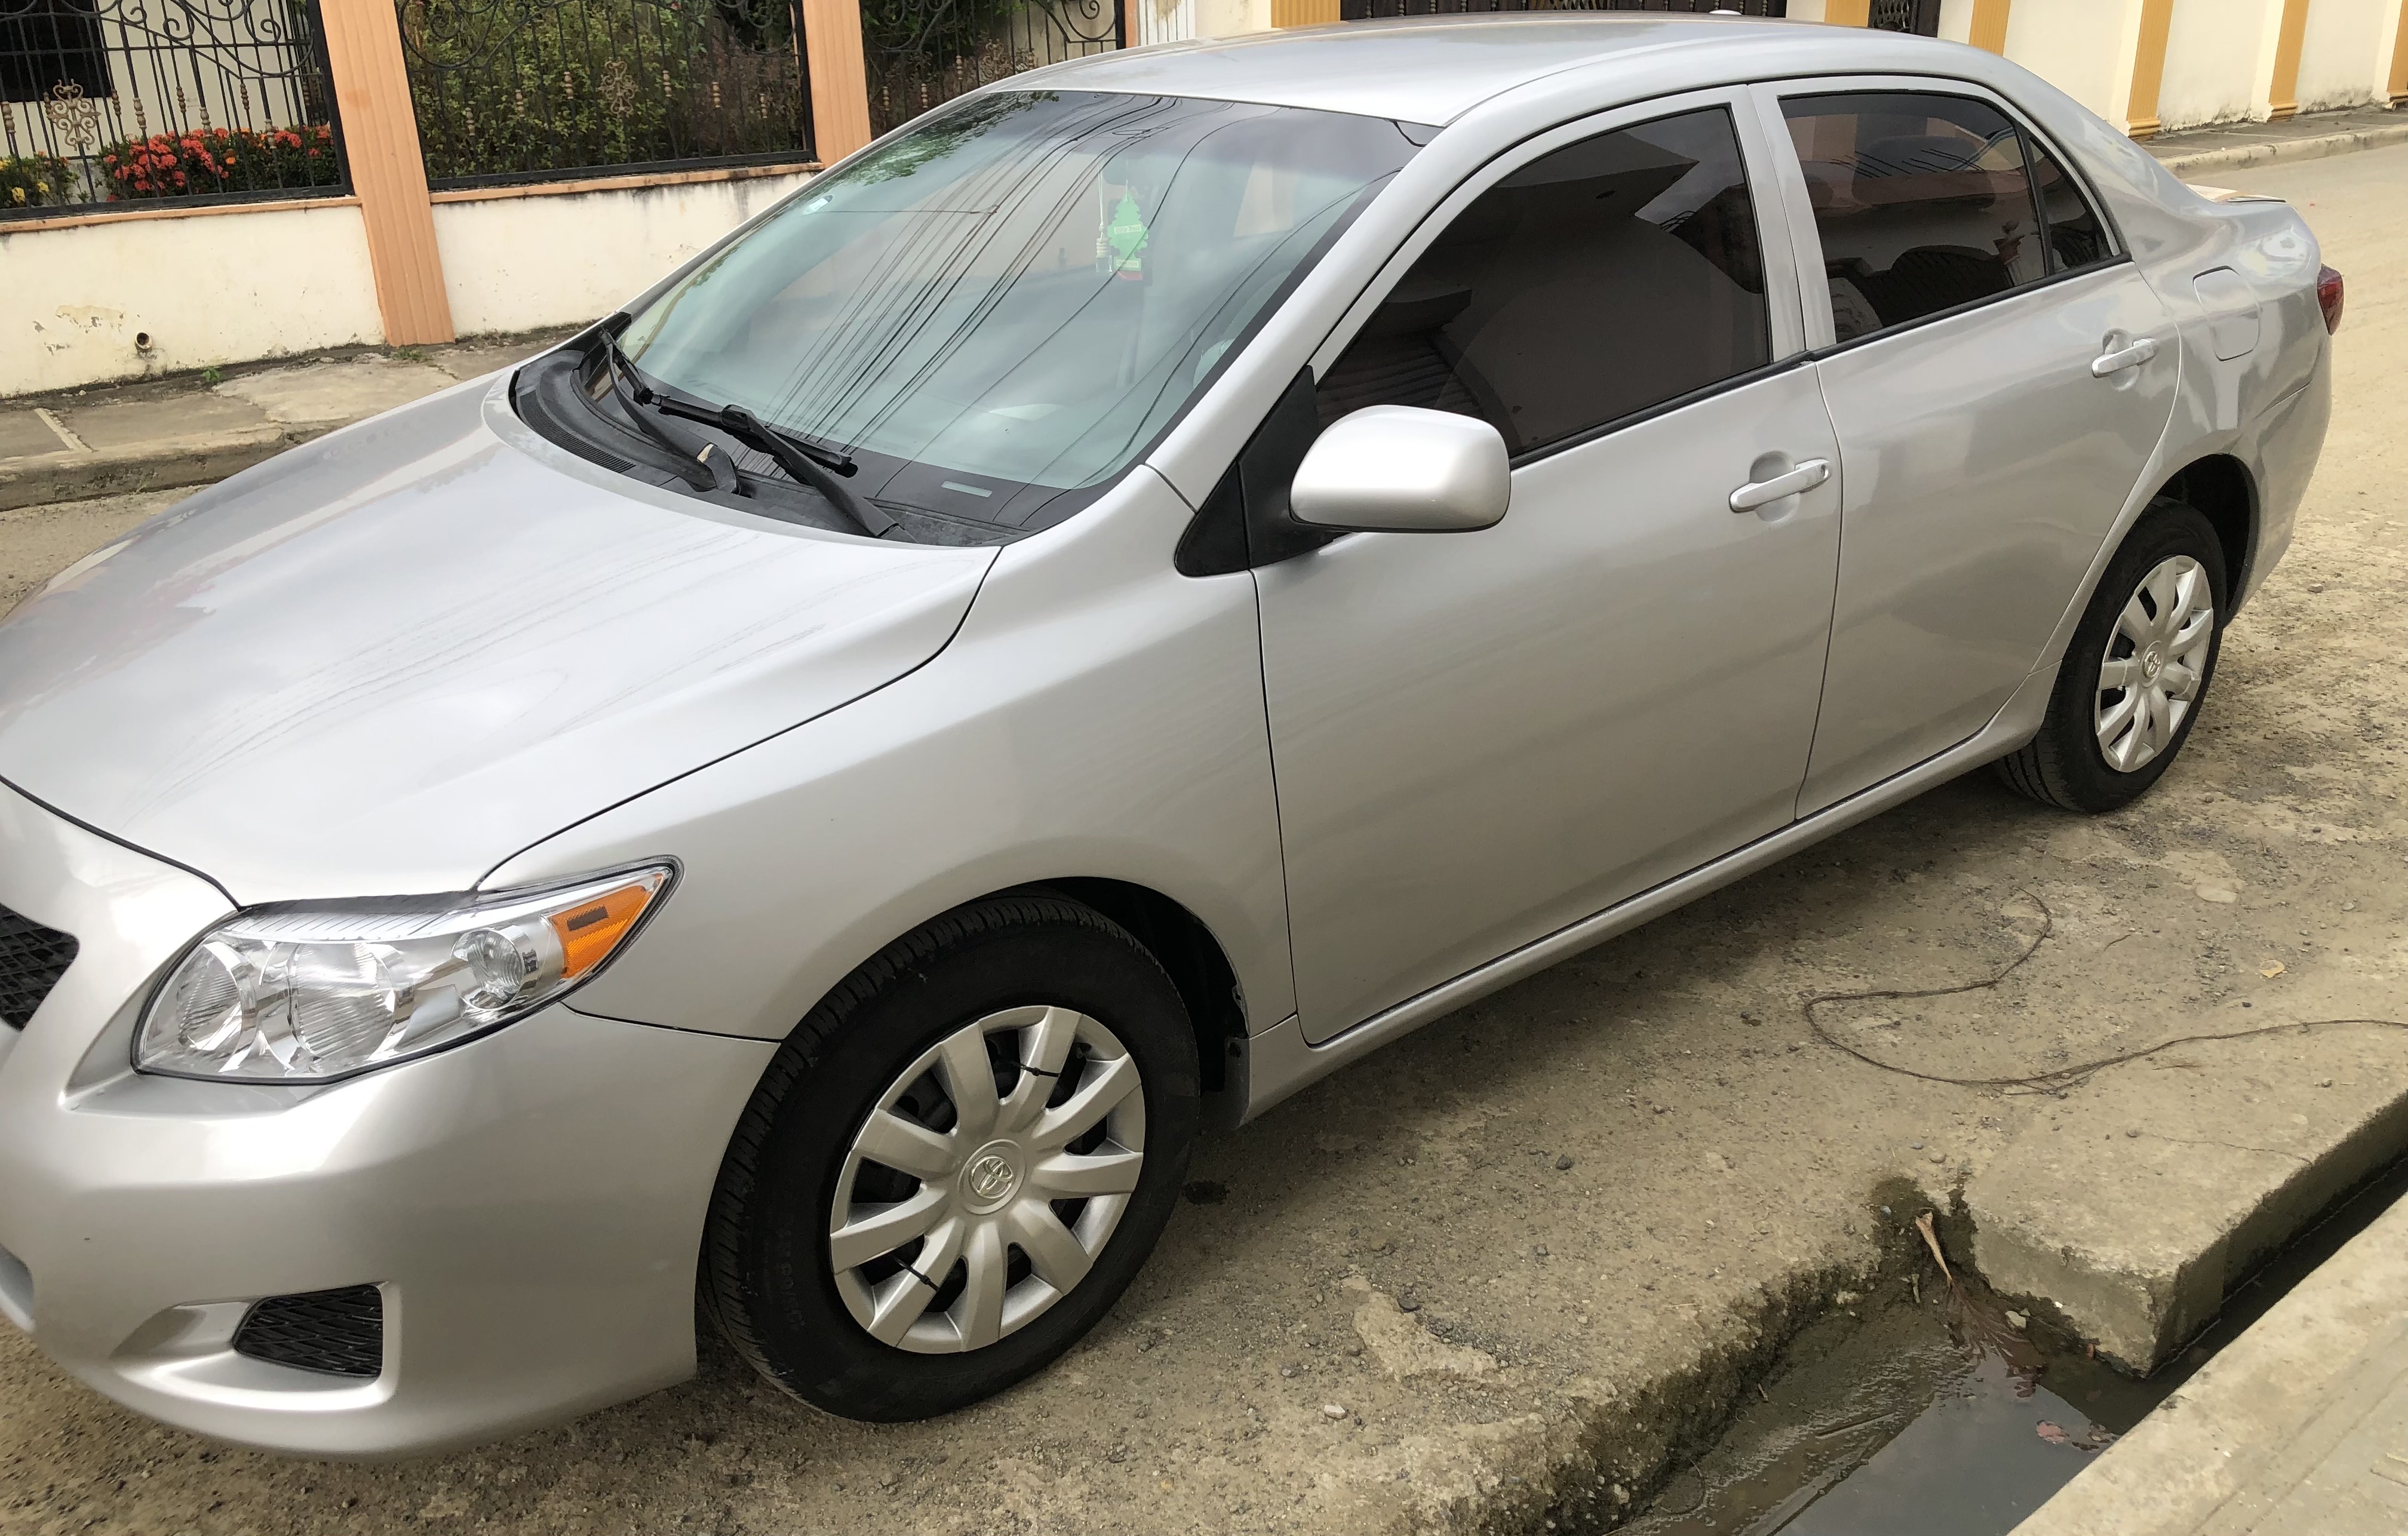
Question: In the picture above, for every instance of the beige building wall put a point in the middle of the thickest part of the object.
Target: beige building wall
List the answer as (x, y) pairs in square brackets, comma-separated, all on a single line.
[(2215, 53), (79, 301), (2344, 56), (521, 264)]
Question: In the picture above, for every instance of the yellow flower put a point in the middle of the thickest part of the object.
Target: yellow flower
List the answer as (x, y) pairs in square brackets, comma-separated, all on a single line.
[(17, 192)]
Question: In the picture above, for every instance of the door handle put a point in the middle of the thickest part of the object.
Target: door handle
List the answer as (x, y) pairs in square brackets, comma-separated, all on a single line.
[(2123, 357), (1764, 493)]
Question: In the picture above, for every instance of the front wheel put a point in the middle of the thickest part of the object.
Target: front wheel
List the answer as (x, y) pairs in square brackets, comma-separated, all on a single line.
[(957, 1162), (2137, 670)]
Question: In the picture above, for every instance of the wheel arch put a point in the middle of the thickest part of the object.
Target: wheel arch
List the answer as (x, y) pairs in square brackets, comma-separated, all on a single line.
[(2222, 489), (1186, 948)]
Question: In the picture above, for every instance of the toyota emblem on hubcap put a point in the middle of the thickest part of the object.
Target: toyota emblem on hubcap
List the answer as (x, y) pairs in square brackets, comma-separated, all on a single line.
[(989, 1180)]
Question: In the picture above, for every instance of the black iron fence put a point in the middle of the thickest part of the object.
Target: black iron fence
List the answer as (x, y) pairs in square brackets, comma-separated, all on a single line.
[(1364, 11), (924, 52), (1917, 16), (531, 90), (113, 101)]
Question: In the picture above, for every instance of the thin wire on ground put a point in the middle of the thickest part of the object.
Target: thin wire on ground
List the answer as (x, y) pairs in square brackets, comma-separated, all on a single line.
[(2057, 1079)]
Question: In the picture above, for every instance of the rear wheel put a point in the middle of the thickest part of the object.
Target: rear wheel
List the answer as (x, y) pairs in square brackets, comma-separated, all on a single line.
[(2137, 671), (957, 1163)]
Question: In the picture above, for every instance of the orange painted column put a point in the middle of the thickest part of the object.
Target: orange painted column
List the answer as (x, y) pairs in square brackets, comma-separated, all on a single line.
[(2148, 68), (2398, 83), (381, 146), (2283, 99), (1303, 13), (1849, 13), (1990, 26), (839, 78)]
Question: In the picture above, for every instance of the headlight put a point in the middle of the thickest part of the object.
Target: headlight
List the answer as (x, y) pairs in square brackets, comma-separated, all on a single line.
[(300, 995)]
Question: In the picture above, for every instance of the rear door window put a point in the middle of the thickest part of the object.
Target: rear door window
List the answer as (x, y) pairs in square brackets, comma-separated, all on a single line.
[(1598, 280), (1924, 202), (2077, 237)]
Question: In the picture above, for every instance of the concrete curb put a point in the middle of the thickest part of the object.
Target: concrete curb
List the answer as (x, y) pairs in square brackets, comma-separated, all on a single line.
[(2293, 1427), (73, 475), (2269, 152)]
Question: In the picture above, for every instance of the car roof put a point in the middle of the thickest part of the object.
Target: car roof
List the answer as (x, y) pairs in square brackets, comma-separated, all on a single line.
[(1435, 68)]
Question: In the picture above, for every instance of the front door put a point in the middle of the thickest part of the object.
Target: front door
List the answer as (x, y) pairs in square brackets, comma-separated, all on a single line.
[(1481, 737), (2000, 377)]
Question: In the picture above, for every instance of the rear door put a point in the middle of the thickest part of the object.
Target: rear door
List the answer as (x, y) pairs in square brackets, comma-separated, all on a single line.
[(1479, 738), (2000, 375)]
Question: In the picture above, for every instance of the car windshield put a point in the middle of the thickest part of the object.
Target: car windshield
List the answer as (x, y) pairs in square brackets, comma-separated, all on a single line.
[(1016, 298)]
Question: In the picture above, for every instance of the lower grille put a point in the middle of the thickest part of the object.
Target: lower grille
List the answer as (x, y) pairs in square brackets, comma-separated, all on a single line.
[(337, 1332), (32, 960)]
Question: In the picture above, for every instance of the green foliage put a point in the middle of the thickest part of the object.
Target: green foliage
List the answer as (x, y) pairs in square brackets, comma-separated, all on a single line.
[(599, 82), (32, 181)]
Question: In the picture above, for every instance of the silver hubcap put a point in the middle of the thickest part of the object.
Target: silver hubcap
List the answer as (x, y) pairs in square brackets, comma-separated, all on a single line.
[(987, 1180), (2150, 678)]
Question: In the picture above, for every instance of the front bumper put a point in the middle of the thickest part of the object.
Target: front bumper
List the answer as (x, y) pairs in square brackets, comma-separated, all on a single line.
[(530, 1205)]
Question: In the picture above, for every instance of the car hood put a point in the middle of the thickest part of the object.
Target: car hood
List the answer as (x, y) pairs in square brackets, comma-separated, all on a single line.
[(382, 663)]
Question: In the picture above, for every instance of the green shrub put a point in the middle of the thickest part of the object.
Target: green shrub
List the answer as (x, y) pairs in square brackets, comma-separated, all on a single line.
[(34, 180), (599, 82)]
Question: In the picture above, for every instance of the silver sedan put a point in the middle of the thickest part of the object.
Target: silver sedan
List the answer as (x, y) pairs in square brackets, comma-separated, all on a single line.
[(1141, 586)]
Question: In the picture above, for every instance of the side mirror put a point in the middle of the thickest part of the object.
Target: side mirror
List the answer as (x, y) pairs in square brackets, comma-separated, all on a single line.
[(1402, 469)]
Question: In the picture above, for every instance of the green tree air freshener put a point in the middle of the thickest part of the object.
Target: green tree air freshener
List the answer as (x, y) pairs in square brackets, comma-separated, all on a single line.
[(1121, 247)]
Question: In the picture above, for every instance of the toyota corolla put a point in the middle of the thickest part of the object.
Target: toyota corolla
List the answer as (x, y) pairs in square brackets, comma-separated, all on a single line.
[(1154, 580)]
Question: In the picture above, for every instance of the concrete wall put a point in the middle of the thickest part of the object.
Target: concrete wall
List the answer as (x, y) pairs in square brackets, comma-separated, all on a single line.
[(233, 286), (2343, 57), (517, 264), (2081, 46), (2215, 52), (208, 289)]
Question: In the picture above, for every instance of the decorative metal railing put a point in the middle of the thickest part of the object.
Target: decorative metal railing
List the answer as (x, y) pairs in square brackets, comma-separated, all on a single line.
[(115, 101), (1364, 11), (1918, 16), (533, 90), (921, 53)]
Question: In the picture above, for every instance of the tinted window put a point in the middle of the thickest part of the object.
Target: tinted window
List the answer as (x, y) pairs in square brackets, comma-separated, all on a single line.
[(2076, 236), (1923, 203), (1598, 280)]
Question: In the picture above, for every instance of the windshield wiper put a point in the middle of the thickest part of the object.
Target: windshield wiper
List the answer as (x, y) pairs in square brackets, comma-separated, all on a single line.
[(809, 466), (802, 463), (719, 471)]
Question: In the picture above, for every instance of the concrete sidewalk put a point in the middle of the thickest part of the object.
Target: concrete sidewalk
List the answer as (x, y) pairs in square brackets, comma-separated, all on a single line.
[(2301, 1425), (191, 430)]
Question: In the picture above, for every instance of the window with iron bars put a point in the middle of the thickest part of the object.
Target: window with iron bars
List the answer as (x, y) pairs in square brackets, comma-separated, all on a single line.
[(131, 101)]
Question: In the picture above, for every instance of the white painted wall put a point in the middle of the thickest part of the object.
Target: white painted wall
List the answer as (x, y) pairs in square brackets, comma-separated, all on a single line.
[(1162, 20), (207, 290), (1229, 18), (2215, 50), (517, 264), (2081, 46), (1957, 21), (2343, 57)]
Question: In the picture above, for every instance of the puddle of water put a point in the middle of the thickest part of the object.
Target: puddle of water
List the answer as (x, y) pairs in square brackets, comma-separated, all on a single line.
[(1915, 1412)]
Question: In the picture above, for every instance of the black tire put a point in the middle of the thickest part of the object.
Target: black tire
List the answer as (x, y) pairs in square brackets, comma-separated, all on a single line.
[(2064, 765), (766, 1269)]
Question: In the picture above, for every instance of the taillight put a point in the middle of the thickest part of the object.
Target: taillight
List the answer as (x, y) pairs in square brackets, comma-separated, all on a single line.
[(2329, 297)]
